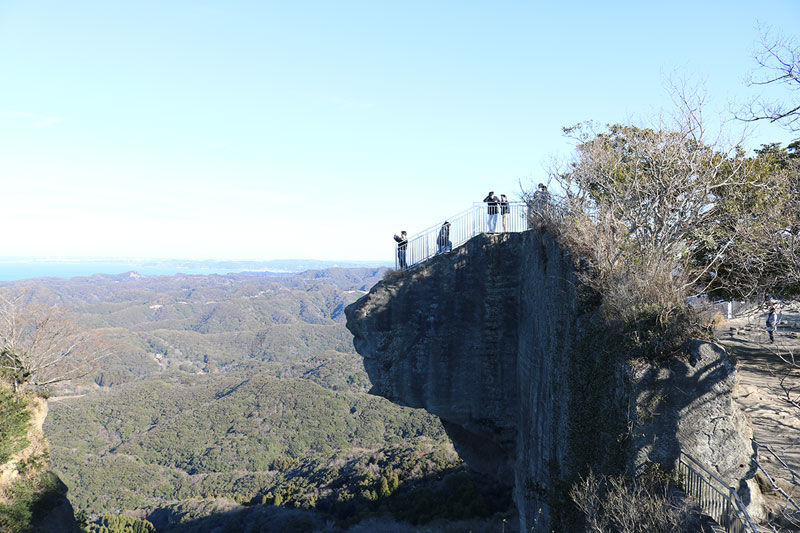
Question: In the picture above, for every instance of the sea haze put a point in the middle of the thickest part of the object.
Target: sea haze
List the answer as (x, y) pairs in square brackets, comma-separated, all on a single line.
[(12, 269)]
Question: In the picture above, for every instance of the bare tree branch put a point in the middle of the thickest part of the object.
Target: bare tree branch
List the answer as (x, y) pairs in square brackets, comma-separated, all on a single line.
[(778, 64), (40, 346)]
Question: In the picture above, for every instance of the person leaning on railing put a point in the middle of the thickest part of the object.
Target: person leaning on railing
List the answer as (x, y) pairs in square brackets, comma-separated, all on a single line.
[(402, 244)]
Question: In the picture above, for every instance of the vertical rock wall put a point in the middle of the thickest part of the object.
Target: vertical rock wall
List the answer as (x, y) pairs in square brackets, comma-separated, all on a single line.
[(477, 337)]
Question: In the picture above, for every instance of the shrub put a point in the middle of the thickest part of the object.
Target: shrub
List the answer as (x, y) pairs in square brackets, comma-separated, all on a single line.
[(620, 505), (393, 275), (29, 497), (121, 524), (15, 417)]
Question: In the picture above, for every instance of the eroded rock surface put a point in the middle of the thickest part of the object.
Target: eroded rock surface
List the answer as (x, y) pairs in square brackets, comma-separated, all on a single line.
[(689, 405), (490, 338)]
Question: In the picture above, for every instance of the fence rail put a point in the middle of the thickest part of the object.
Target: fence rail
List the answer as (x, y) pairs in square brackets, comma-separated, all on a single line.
[(734, 308), (512, 218), (716, 498)]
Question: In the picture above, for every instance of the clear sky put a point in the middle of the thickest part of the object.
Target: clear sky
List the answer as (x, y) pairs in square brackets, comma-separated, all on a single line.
[(297, 129)]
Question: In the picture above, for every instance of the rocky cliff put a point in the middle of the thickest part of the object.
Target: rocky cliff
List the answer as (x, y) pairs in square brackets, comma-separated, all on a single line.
[(496, 339), (30, 496)]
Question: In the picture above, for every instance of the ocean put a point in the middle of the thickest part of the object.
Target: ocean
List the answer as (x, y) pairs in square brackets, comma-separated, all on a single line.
[(11, 271)]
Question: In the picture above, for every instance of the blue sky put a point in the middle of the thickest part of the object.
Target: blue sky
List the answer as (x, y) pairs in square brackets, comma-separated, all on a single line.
[(267, 130)]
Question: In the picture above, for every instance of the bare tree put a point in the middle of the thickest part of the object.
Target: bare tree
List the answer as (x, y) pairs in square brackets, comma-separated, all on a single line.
[(658, 215), (778, 65), (656, 211), (760, 220), (40, 346)]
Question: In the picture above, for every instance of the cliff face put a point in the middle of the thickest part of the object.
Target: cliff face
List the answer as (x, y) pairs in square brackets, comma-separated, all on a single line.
[(51, 510), (489, 338)]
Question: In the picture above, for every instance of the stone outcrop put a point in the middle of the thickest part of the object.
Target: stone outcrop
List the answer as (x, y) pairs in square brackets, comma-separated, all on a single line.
[(689, 406), (492, 338)]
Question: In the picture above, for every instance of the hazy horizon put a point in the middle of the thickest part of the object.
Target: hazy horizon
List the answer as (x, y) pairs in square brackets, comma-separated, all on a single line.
[(114, 259), (17, 269)]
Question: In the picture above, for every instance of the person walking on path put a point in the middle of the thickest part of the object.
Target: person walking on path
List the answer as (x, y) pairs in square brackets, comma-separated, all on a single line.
[(402, 243), (772, 322), (504, 210), (492, 200), (443, 240)]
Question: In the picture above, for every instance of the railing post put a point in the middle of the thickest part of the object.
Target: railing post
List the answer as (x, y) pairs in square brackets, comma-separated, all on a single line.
[(729, 509), (715, 497)]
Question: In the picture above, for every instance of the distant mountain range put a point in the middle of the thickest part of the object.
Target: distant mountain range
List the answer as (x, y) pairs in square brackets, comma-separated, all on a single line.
[(17, 268)]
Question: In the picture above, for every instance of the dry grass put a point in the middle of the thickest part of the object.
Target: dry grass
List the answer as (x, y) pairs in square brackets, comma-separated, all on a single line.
[(619, 505)]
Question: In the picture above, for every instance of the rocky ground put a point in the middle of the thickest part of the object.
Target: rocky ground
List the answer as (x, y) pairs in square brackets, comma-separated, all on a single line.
[(769, 394)]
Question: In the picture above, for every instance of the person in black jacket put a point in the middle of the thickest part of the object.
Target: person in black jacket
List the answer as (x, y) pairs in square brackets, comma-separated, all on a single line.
[(492, 200), (504, 210), (402, 243), (443, 240)]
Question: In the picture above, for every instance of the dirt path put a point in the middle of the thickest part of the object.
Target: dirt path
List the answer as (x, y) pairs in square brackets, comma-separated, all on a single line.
[(69, 397), (760, 394)]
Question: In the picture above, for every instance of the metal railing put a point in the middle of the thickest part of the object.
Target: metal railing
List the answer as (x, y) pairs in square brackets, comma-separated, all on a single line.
[(734, 308), (716, 498), (511, 218)]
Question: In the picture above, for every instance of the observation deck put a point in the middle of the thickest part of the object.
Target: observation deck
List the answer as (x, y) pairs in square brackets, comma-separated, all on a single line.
[(511, 217)]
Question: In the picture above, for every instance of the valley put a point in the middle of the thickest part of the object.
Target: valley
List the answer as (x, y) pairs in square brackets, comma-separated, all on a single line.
[(233, 394)]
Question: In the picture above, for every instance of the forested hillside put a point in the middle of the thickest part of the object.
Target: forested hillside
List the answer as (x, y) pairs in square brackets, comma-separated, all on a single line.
[(189, 436), (204, 323), (236, 393)]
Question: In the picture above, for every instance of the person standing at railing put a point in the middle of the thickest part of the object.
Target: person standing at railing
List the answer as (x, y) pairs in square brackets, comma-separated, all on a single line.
[(443, 240), (504, 210), (541, 198), (402, 244), (492, 200)]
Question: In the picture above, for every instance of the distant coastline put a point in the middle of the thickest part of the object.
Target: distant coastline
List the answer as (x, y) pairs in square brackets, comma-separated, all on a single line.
[(17, 268)]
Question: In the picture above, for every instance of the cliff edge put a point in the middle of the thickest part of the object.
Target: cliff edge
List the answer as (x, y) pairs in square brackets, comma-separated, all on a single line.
[(31, 498), (496, 339)]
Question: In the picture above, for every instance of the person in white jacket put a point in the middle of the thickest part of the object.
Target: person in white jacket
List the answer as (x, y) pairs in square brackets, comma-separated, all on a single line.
[(772, 322)]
